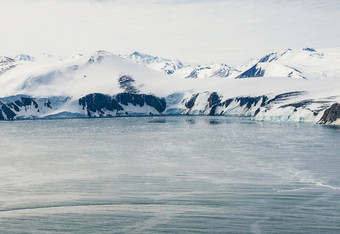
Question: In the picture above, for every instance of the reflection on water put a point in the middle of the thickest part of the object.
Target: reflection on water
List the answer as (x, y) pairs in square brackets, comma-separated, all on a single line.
[(157, 120), (215, 122), (191, 121), (168, 174)]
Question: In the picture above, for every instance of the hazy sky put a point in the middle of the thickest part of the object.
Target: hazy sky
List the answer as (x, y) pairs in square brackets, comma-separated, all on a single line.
[(201, 31)]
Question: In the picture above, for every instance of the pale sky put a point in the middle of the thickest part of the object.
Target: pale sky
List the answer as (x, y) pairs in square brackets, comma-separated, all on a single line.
[(198, 31)]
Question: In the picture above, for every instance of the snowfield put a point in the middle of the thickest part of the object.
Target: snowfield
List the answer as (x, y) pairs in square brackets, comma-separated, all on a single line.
[(294, 85)]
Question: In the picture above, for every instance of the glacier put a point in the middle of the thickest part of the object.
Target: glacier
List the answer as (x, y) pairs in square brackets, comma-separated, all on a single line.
[(293, 85)]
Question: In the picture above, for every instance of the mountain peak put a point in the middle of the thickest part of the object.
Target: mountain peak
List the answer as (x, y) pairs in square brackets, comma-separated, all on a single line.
[(23, 57), (309, 49), (268, 58), (157, 63), (136, 53), (5, 60), (142, 58), (99, 55)]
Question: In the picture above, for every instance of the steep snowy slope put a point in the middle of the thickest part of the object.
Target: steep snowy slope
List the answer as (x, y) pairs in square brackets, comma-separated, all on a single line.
[(306, 63), (267, 69), (250, 63)]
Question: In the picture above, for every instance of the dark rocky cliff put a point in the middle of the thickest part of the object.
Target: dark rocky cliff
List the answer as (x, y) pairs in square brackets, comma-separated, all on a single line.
[(331, 114), (8, 111), (207, 103), (98, 104)]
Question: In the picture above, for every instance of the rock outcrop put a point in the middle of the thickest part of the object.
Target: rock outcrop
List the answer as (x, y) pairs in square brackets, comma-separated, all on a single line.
[(331, 115), (101, 105)]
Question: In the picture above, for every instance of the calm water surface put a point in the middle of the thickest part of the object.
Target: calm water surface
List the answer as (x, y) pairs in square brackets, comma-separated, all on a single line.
[(168, 174)]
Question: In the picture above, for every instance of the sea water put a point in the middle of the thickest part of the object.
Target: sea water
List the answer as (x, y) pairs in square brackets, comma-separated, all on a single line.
[(168, 174)]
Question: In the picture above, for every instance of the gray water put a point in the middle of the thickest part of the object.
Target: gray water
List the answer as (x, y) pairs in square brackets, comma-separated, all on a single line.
[(169, 174)]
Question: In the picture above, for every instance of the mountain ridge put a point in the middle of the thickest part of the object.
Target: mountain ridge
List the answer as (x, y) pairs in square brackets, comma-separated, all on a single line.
[(285, 86)]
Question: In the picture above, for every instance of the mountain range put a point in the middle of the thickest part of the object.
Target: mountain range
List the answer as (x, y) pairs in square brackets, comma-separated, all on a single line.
[(293, 85)]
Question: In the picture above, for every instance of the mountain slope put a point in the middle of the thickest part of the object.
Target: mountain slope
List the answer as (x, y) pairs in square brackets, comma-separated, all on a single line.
[(103, 84), (212, 71), (160, 64), (307, 63), (267, 69), (6, 64)]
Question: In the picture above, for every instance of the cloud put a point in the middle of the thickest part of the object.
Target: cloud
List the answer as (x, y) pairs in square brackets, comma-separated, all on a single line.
[(193, 30)]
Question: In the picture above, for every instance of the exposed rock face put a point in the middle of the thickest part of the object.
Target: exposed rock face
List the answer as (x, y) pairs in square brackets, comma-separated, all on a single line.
[(265, 68), (127, 83), (6, 64), (141, 99), (248, 101), (213, 101), (268, 58), (282, 107), (97, 104), (93, 105), (331, 115), (26, 107), (309, 49), (6, 60), (285, 96), (99, 56), (252, 72), (286, 106), (8, 111), (214, 104), (24, 101), (189, 104), (5, 112)]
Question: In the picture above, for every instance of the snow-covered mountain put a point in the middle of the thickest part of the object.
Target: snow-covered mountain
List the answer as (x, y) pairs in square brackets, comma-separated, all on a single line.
[(160, 64), (267, 69), (177, 68), (301, 85), (306, 63), (6, 64), (212, 71), (25, 57)]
